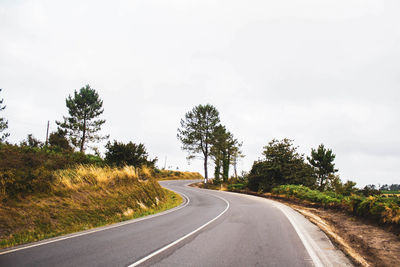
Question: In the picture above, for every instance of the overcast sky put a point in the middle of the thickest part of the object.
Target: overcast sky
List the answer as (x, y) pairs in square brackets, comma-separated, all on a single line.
[(316, 71)]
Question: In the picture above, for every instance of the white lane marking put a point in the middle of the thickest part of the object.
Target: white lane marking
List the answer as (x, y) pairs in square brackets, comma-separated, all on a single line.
[(317, 262), (182, 238), (104, 228), (308, 243)]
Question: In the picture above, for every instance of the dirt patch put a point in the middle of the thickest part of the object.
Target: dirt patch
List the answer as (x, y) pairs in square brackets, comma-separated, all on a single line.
[(376, 246)]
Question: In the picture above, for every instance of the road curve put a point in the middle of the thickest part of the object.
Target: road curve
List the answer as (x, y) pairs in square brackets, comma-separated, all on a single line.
[(210, 228)]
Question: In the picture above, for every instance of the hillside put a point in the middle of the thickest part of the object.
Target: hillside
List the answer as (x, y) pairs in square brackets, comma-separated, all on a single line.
[(80, 198)]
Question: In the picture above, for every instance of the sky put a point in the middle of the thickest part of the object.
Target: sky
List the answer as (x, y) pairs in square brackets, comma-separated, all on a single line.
[(313, 71)]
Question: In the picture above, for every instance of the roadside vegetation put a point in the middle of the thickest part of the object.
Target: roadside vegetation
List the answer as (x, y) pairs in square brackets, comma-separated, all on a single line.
[(176, 175), (55, 187), (81, 198), (380, 208), (312, 180), (202, 135)]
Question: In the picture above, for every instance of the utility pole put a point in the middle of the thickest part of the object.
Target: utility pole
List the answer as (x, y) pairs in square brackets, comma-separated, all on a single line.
[(47, 132)]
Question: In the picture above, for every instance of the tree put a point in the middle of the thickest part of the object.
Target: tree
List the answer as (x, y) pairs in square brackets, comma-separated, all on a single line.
[(338, 187), (282, 165), (82, 124), (121, 154), (3, 122), (218, 150), (59, 142), (32, 142), (196, 132), (225, 150), (322, 161), (237, 154)]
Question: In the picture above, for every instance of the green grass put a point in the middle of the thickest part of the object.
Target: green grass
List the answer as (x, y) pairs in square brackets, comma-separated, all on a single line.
[(382, 209)]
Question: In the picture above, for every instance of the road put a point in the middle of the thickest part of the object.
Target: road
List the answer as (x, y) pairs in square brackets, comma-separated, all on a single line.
[(211, 228)]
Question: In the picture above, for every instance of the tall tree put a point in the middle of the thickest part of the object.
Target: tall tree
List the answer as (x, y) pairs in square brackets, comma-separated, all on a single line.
[(82, 124), (196, 132), (218, 150), (322, 161), (225, 149), (3, 122), (236, 155)]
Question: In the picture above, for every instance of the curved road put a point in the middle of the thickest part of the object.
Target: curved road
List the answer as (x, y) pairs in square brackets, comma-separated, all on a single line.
[(211, 228)]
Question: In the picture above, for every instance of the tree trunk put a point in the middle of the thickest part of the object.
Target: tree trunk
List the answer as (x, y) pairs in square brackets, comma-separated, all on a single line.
[(205, 169), (83, 135), (234, 168)]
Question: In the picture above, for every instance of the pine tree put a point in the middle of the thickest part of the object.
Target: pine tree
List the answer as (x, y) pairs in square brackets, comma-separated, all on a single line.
[(82, 124), (225, 150), (322, 161), (196, 132)]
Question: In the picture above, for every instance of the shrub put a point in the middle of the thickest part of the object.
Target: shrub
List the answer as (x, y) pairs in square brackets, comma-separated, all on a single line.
[(26, 169), (236, 186), (282, 165), (382, 209), (120, 154)]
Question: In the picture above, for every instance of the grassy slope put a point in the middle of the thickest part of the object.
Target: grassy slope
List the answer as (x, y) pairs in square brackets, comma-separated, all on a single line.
[(176, 175), (80, 199)]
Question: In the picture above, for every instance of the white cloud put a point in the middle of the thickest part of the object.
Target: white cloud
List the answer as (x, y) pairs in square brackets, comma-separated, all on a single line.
[(315, 71)]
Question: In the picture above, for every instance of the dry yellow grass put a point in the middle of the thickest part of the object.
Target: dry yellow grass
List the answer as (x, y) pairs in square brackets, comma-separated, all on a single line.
[(82, 197), (177, 175), (92, 175)]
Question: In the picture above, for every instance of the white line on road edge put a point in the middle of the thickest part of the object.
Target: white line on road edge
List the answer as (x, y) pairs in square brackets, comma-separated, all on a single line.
[(103, 228), (306, 243), (182, 238)]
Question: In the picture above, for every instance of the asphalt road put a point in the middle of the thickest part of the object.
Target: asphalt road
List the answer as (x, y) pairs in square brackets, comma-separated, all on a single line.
[(210, 228)]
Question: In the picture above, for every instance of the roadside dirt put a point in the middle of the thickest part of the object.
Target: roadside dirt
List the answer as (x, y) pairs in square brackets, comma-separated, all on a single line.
[(366, 243)]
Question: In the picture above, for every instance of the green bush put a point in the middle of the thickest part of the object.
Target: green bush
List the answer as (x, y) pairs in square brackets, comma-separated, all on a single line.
[(382, 209), (120, 154), (282, 165), (305, 193), (236, 186)]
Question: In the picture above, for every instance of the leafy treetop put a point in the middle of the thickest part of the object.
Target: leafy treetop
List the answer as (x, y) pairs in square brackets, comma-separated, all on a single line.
[(82, 124), (196, 132)]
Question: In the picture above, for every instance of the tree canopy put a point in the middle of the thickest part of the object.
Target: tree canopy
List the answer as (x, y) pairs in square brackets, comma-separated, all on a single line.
[(82, 125), (225, 150), (282, 165), (58, 141), (3, 122), (322, 161), (196, 132), (120, 154)]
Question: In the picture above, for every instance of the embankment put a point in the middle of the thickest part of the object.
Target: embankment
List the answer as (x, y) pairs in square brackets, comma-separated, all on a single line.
[(81, 198)]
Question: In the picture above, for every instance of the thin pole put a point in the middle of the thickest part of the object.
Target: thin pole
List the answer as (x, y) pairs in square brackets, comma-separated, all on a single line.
[(47, 133)]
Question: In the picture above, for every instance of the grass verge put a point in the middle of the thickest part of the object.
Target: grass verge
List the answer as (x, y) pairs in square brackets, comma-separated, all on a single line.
[(176, 175), (80, 199)]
